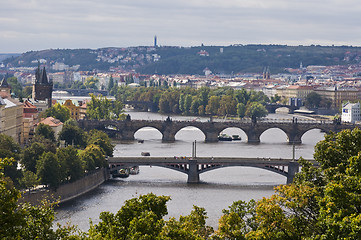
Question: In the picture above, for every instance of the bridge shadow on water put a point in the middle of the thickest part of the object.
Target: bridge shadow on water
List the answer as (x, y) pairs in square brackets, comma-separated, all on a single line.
[(235, 176)]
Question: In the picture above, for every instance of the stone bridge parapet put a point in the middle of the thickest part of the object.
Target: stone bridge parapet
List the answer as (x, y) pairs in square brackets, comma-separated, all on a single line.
[(126, 129)]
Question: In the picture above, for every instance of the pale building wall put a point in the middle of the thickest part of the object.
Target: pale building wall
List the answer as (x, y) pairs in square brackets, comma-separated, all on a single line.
[(12, 120), (351, 113)]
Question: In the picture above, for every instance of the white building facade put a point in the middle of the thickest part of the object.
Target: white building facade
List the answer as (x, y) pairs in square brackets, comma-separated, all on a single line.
[(351, 112)]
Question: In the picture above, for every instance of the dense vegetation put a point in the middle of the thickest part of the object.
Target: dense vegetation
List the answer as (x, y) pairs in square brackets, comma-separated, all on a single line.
[(204, 101), (181, 60), (44, 163), (324, 202)]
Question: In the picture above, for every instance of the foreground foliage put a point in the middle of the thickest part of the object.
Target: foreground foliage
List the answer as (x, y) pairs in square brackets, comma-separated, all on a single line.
[(25, 221), (324, 202)]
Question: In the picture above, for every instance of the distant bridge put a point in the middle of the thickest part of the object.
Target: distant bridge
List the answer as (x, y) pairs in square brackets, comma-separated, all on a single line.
[(125, 130), (271, 107), (83, 92), (150, 105), (193, 167)]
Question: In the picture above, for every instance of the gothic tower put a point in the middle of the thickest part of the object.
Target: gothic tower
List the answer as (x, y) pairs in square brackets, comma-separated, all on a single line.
[(42, 87), (4, 86)]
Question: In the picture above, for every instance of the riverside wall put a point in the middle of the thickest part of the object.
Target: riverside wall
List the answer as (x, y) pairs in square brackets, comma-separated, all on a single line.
[(67, 191)]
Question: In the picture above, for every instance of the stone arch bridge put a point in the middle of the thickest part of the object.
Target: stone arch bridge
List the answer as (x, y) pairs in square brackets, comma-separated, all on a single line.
[(193, 167), (125, 129)]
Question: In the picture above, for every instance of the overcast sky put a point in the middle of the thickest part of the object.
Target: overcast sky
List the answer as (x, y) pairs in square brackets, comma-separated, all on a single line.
[(27, 25)]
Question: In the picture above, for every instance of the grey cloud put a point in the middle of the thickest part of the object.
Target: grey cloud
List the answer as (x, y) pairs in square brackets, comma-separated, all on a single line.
[(37, 24)]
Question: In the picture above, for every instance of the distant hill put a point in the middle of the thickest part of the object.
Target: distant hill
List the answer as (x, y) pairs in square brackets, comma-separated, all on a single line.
[(193, 60), (4, 56)]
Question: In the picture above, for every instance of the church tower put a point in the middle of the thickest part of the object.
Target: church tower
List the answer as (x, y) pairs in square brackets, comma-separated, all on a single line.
[(42, 87), (4, 86)]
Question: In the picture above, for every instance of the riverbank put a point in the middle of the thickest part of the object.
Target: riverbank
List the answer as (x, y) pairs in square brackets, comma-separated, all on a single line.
[(67, 191)]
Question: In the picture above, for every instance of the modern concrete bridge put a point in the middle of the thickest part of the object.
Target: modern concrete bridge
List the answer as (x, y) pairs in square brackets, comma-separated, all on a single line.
[(125, 130), (193, 167)]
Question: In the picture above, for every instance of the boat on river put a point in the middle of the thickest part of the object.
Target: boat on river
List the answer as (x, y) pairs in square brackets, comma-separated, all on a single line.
[(134, 170), (236, 138), (121, 173), (224, 137)]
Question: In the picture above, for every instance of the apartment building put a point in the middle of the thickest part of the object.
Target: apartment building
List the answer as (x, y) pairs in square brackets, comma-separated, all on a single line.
[(294, 91), (11, 117), (30, 119), (338, 96), (351, 112)]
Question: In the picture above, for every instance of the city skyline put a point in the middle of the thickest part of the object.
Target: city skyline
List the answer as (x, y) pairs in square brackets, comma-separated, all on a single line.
[(40, 24)]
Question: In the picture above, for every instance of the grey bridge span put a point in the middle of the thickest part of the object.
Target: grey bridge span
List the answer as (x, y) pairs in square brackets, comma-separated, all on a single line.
[(193, 167), (125, 129)]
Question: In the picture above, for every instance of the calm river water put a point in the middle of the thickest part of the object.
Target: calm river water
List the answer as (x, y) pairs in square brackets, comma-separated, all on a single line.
[(219, 188)]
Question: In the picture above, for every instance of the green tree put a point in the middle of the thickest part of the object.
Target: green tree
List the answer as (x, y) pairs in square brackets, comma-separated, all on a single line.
[(48, 144), (91, 82), (203, 95), (102, 140), (73, 135), (27, 91), (139, 218), (29, 179), (313, 100), (57, 111), (111, 84), (227, 106), (31, 155), (46, 131), (77, 85), (322, 203), (10, 149), (237, 221), (213, 105), (72, 166), (49, 170), (181, 102), (25, 221), (187, 104), (255, 111), (92, 157), (16, 87), (100, 107), (241, 110), (194, 109), (275, 99), (10, 218), (242, 96)]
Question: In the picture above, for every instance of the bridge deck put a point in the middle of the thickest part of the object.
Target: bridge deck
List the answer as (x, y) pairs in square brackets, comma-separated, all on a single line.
[(200, 160)]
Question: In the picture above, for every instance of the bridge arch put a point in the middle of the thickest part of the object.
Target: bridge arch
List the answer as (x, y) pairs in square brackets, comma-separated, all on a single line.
[(190, 133), (274, 134), (282, 170), (320, 134), (147, 133), (184, 168)]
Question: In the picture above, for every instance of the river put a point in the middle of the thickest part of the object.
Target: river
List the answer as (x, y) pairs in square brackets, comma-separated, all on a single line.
[(218, 188)]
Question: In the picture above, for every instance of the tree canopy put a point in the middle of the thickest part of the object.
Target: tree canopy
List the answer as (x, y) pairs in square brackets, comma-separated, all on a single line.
[(58, 111), (45, 131), (100, 107)]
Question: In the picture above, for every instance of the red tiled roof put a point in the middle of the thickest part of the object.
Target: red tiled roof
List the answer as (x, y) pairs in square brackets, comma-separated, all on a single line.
[(52, 122), (29, 108)]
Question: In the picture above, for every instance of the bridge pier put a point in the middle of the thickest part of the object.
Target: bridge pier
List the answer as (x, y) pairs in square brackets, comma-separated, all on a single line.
[(294, 139), (127, 135), (193, 175), (168, 137), (211, 136), (253, 138), (293, 168)]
